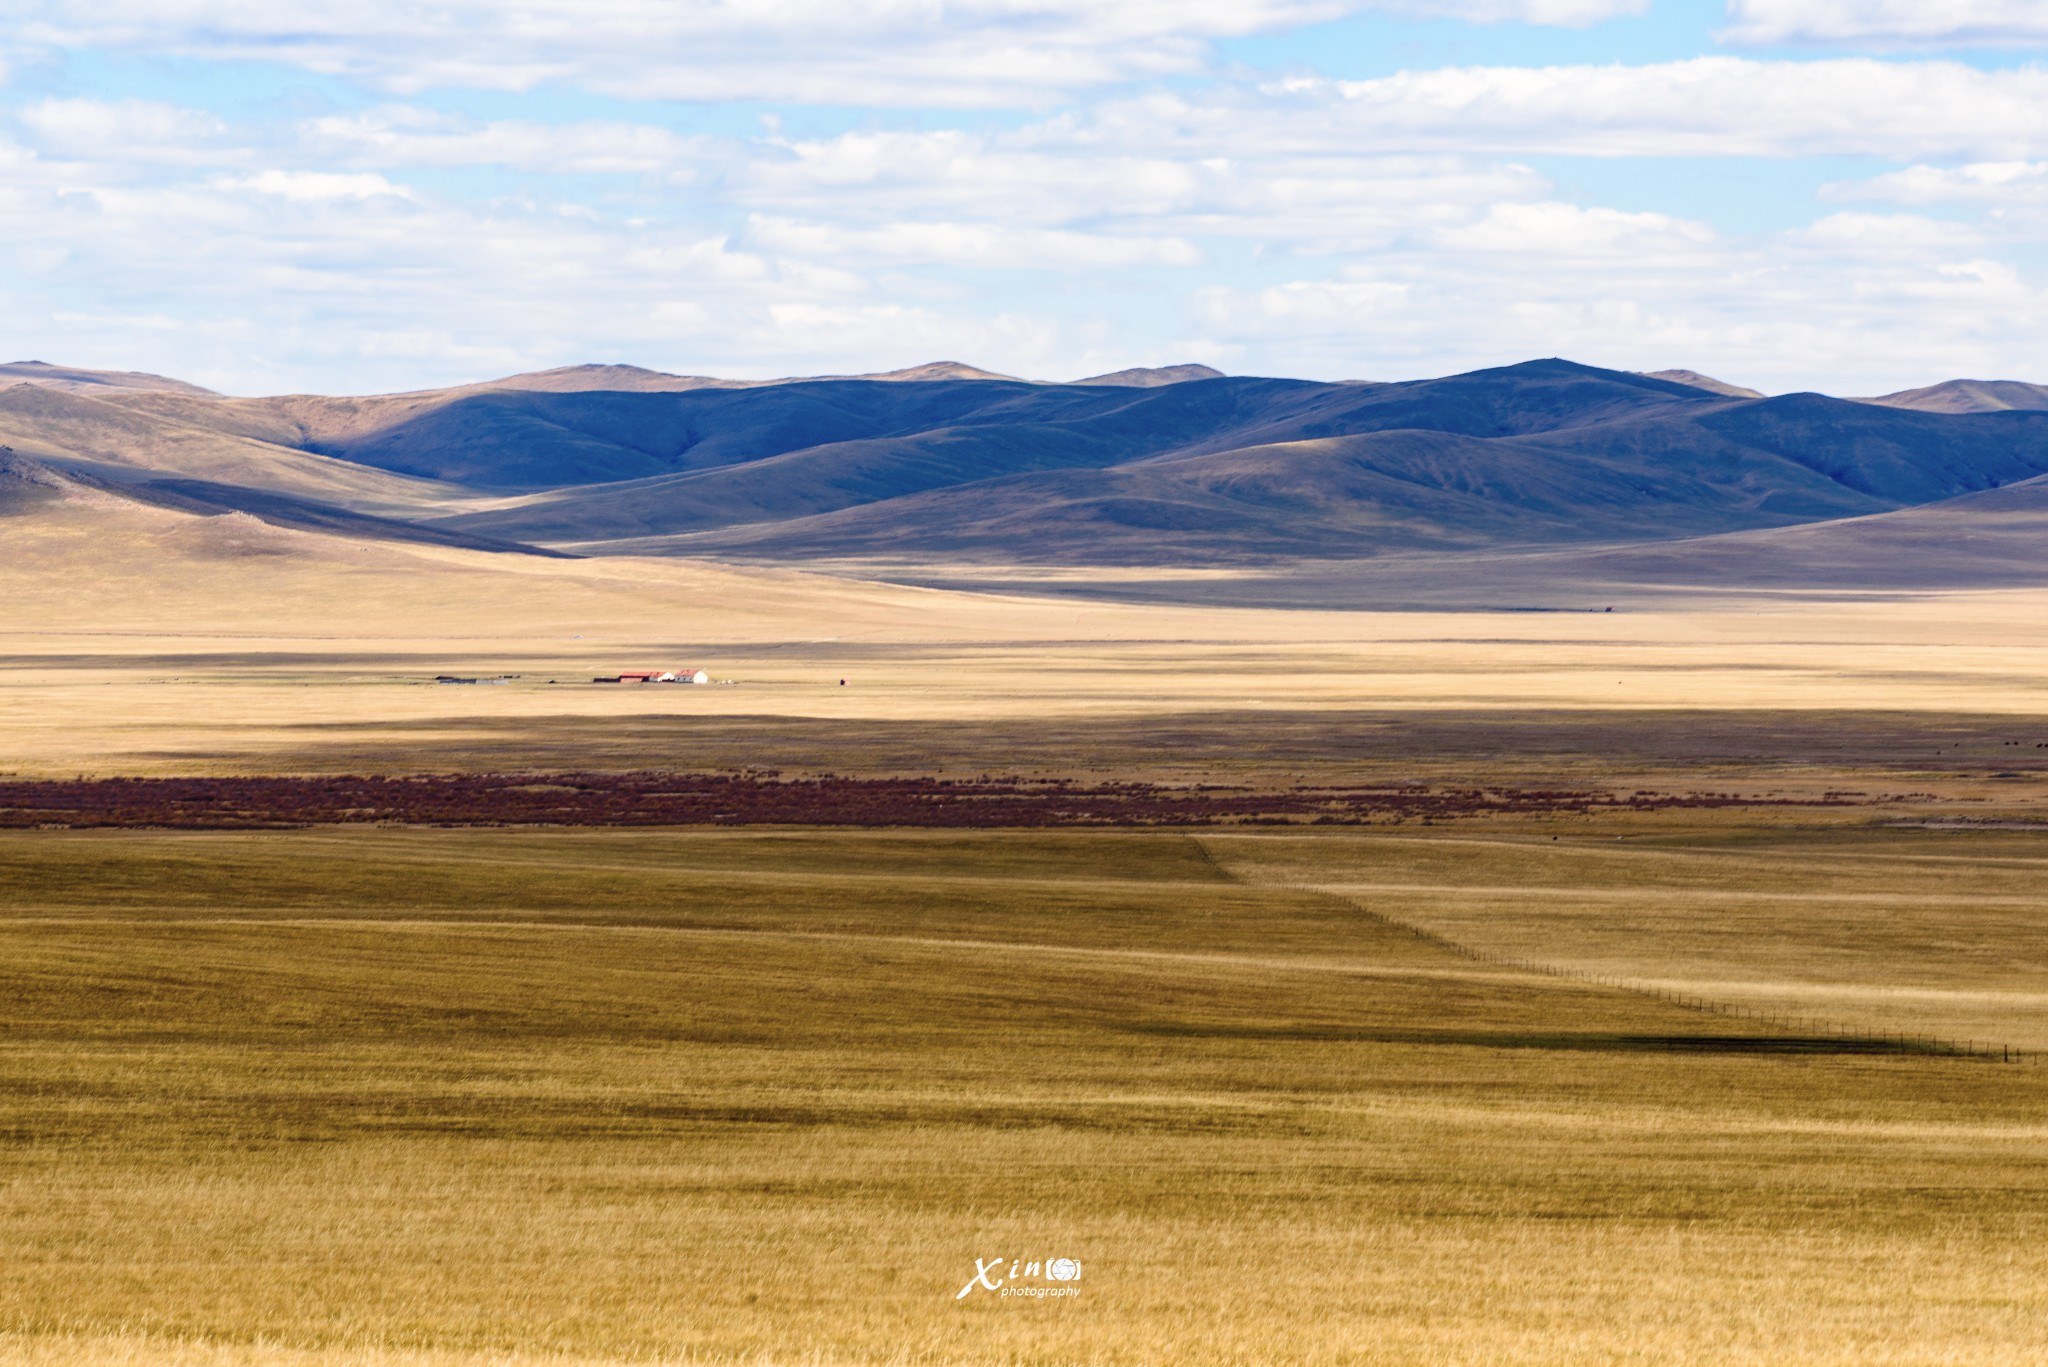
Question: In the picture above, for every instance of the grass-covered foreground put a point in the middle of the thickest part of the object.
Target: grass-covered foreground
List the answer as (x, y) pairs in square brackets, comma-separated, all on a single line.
[(440, 1096)]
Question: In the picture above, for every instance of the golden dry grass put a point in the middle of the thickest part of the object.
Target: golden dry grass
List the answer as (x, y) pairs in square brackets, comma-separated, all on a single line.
[(456, 1097), (426, 1098), (1881, 928), (136, 640)]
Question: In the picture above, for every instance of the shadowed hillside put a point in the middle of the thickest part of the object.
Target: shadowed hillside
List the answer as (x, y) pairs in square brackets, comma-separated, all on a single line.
[(179, 436), (1996, 539), (1175, 465), (967, 437), (30, 486), (1324, 471)]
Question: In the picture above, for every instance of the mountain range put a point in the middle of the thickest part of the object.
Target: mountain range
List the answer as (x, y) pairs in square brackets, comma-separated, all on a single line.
[(945, 463)]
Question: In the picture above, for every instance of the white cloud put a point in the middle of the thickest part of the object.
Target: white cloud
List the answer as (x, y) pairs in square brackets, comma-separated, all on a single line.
[(1025, 342), (962, 53), (124, 130), (1381, 227), (1898, 234), (294, 279), (1704, 106), (1552, 229), (1310, 141), (1305, 311), (316, 187), (1063, 178), (402, 136), (290, 278), (950, 172), (149, 322), (1888, 22), (1998, 183), (970, 53), (861, 52), (1557, 13), (848, 246), (970, 244), (1855, 303)]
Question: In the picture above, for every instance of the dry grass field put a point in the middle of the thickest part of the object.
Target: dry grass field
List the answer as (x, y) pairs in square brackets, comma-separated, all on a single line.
[(135, 641), (1934, 932), (460, 1096), (1396, 1094)]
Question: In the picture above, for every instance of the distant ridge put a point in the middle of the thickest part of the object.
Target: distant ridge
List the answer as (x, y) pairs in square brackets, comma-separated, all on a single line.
[(1225, 471), (577, 379), (1970, 396), (633, 379), (946, 462), (80, 380), (1706, 382), (1151, 377), (931, 370)]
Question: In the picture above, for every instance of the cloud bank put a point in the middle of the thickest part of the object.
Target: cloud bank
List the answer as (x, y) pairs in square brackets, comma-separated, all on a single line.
[(911, 53), (1129, 196), (1944, 23)]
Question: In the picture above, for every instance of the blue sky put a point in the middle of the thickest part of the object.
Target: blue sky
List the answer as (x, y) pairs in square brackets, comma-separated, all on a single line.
[(267, 195)]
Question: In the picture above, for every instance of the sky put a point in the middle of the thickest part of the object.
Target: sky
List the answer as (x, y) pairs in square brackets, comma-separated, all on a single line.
[(302, 195)]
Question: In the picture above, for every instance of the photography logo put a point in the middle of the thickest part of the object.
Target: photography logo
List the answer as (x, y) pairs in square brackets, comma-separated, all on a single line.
[(1026, 1279)]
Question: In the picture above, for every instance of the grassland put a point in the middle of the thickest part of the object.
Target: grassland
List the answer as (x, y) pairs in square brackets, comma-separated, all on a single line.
[(460, 1096), (393, 1095), (140, 641), (1863, 924)]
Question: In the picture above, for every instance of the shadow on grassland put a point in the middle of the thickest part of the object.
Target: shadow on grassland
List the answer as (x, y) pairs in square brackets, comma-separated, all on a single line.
[(1213, 745), (1566, 1041)]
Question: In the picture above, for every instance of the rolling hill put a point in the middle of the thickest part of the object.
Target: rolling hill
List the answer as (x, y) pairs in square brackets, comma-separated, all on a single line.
[(1171, 466), (522, 441), (27, 485), (1151, 377), (1969, 396), (80, 380), (1226, 470), (1706, 382), (1992, 540)]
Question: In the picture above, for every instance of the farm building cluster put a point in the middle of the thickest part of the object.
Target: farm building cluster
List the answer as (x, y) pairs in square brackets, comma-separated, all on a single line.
[(656, 676)]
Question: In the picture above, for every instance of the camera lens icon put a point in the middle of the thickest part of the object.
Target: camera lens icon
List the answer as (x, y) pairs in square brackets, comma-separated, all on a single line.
[(1063, 1270)]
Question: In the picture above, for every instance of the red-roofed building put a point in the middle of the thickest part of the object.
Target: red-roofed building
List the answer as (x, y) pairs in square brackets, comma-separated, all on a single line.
[(685, 675)]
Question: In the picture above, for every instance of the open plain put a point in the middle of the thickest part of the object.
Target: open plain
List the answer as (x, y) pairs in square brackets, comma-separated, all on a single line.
[(140, 640), (1738, 1063), (449, 1096)]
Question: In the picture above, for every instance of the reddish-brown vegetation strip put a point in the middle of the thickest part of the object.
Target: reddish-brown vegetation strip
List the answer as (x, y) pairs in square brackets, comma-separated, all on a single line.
[(651, 799)]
